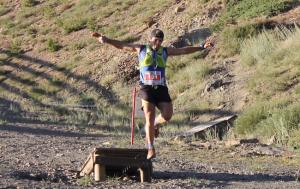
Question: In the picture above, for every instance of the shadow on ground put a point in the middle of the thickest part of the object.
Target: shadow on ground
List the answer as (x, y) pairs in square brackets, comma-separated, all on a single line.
[(222, 177), (43, 131)]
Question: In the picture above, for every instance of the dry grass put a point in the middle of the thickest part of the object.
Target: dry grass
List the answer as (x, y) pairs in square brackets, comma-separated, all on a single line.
[(275, 56)]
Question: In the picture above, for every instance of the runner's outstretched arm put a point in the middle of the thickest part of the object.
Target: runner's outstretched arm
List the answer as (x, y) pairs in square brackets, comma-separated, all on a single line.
[(118, 44), (188, 50)]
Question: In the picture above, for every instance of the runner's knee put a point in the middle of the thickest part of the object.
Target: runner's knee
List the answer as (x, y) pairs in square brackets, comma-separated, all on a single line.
[(167, 116)]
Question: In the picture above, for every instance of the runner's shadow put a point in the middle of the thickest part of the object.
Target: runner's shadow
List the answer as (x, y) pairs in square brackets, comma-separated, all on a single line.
[(222, 177)]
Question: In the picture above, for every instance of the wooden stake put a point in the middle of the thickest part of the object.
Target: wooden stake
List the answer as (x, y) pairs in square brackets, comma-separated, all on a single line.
[(145, 174), (99, 171)]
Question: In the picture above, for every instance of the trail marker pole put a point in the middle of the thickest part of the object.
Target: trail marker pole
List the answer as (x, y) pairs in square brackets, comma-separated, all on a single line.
[(133, 115)]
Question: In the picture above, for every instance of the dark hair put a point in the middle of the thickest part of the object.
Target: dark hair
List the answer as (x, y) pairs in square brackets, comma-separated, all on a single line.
[(157, 33)]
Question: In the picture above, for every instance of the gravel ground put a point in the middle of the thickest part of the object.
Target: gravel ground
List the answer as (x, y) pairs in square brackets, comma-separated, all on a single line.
[(40, 156)]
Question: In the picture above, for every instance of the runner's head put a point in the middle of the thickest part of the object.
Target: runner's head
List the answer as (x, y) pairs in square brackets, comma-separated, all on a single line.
[(156, 38)]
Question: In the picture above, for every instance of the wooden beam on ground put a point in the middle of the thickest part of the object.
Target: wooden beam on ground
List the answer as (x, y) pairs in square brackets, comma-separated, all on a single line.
[(220, 122)]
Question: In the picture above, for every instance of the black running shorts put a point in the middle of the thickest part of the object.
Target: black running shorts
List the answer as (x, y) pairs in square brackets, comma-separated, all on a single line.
[(154, 94)]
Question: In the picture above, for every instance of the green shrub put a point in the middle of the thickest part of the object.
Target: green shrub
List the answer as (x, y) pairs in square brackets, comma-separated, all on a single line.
[(29, 3), (86, 100), (272, 47), (176, 65), (49, 11), (232, 37), (254, 50), (281, 124), (114, 31), (189, 75), (250, 9), (245, 9), (247, 122), (15, 47), (53, 45), (70, 25), (38, 91), (294, 139), (56, 82), (4, 10), (275, 57), (78, 45), (92, 24), (297, 90)]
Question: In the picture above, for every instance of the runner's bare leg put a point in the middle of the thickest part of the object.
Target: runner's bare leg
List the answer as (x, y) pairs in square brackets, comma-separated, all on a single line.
[(166, 112), (149, 111)]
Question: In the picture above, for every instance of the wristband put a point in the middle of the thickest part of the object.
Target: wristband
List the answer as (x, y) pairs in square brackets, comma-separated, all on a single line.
[(201, 46)]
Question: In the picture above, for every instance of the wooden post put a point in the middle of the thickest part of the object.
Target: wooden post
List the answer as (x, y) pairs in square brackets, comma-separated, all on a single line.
[(145, 174), (99, 172)]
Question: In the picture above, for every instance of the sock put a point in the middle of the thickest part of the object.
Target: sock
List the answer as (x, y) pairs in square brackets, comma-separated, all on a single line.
[(150, 146), (155, 124)]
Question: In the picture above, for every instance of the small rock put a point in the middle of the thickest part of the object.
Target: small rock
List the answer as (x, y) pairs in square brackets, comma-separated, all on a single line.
[(213, 85), (179, 138), (126, 178), (179, 9), (149, 22), (59, 155), (221, 106), (233, 154), (230, 143), (271, 140), (106, 143)]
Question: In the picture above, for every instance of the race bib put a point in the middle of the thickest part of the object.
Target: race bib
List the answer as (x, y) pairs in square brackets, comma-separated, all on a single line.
[(152, 78)]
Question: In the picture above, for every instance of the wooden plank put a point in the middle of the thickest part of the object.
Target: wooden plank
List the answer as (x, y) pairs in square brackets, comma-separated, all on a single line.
[(204, 126), (121, 161), (120, 150), (105, 159), (88, 166), (145, 174), (136, 157)]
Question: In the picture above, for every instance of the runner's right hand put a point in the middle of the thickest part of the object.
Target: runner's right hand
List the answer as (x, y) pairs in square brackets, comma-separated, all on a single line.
[(101, 38), (209, 43)]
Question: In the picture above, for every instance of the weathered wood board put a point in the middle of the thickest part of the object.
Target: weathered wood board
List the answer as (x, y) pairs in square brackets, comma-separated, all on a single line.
[(103, 160), (220, 122)]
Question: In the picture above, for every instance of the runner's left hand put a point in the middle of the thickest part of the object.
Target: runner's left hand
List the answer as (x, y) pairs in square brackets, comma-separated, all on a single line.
[(208, 43)]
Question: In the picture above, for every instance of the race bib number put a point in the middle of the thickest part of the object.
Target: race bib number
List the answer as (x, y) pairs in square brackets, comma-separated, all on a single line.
[(153, 78)]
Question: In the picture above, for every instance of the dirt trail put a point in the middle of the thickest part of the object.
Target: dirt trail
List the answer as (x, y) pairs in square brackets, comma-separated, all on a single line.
[(48, 156)]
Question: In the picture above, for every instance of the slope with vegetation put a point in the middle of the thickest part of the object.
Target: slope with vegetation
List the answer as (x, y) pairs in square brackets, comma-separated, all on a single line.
[(53, 71)]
